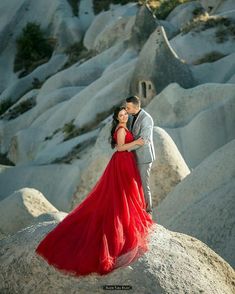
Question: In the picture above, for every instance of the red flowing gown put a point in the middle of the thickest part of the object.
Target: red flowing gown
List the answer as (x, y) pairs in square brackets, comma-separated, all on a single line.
[(108, 229)]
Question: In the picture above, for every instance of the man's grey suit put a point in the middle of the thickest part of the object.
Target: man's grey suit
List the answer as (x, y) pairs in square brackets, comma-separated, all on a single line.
[(143, 127)]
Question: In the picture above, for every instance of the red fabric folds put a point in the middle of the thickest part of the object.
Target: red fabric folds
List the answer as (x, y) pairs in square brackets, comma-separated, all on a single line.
[(108, 229)]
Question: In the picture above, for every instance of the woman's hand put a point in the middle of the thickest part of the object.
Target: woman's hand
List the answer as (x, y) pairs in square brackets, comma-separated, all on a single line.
[(139, 142)]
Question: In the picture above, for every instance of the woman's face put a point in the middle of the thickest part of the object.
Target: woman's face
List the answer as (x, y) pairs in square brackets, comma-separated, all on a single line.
[(123, 116)]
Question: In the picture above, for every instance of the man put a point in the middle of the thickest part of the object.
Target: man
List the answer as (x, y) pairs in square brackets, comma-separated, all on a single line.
[(142, 126)]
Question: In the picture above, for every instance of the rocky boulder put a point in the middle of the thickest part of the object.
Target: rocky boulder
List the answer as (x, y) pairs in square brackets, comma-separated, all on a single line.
[(168, 169), (57, 181), (203, 204), (176, 263), (21, 208), (199, 120), (157, 67)]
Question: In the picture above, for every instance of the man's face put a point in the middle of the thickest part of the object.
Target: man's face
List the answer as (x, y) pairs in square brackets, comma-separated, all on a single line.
[(131, 108)]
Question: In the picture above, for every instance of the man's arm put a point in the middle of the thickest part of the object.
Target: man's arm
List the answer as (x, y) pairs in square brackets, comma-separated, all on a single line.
[(145, 132), (121, 146)]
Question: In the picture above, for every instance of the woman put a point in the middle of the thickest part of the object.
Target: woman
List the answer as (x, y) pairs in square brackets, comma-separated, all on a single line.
[(109, 228)]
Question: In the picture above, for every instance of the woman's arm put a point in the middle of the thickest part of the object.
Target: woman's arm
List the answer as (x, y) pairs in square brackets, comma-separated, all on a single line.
[(121, 146)]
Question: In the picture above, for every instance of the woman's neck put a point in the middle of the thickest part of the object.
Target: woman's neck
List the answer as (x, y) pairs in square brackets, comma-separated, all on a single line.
[(122, 125)]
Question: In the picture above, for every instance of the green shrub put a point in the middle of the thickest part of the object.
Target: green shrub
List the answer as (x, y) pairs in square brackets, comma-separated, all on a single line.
[(74, 153), (33, 48), (103, 5), (78, 52), (225, 31), (5, 160), (198, 11), (5, 105), (51, 136), (71, 131), (204, 22), (164, 7), (36, 83), (19, 109), (210, 57)]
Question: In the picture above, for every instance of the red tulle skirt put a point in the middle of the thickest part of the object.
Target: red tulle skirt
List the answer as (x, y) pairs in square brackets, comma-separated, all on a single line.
[(109, 229)]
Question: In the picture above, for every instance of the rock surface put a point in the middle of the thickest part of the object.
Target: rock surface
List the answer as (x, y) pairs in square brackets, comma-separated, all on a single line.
[(203, 204), (168, 169), (159, 65), (56, 181), (21, 208), (199, 120), (176, 263)]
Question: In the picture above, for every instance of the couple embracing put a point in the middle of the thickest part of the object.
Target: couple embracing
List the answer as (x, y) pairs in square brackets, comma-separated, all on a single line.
[(110, 227)]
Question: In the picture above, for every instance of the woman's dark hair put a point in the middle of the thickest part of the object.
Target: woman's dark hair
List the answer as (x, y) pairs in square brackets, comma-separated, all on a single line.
[(115, 122)]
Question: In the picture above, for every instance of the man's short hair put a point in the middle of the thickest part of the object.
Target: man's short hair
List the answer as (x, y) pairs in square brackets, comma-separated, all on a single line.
[(133, 99)]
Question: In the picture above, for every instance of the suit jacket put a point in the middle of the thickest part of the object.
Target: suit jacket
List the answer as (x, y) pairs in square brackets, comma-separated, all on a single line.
[(143, 127)]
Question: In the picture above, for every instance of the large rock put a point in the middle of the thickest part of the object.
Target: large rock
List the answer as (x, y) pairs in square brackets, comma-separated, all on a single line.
[(176, 263), (203, 204), (49, 115), (210, 4), (86, 13), (145, 24), (110, 27), (41, 73), (57, 181), (21, 208), (220, 71), (85, 112), (199, 120), (183, 13), (218, 6), (168, 169), (197, 44), (157, 67), (10, 128)]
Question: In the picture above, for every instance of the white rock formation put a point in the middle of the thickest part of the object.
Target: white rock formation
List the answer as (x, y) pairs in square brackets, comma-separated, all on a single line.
[(57, 19), (195, 45), (86, 13), (218, 6), (110, 27), (220, 71), (57, 181), (41, 73), (183, 13), (199, 120), (168, 169), (176, 263), (21, 208), (203, 204)]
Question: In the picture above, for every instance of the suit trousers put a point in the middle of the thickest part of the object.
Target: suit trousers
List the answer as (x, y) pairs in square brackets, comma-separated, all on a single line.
[(144, 169)]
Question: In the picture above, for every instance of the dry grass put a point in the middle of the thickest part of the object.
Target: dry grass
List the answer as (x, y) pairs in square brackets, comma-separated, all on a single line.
[(162, 8), (74, 153), (19, 109), (5, 105), (70, 130), (225, 27), (209, 57), (78, 52)]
